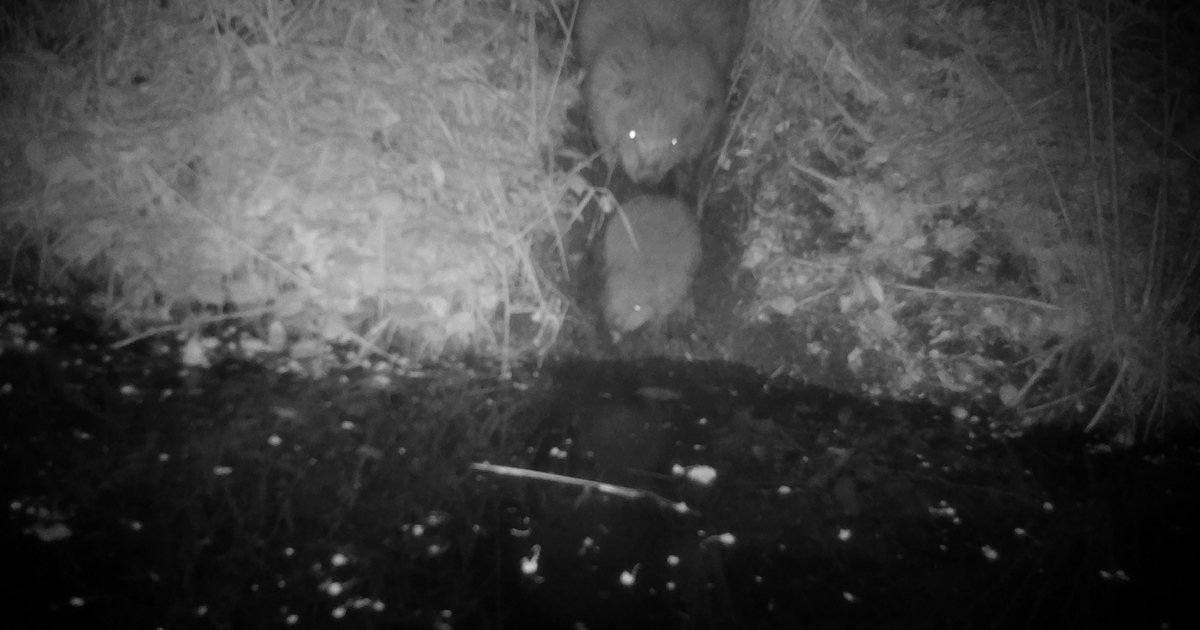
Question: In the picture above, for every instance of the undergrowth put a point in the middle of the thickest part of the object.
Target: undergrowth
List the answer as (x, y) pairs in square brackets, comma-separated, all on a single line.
[(1133, 367)]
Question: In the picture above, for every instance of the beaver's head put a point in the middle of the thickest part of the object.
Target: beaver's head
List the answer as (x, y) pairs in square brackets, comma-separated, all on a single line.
[(627, 306), (666, 113)]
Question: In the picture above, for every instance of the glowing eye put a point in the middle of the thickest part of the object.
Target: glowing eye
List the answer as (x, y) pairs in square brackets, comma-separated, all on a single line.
[(632, 134), (674, 141)]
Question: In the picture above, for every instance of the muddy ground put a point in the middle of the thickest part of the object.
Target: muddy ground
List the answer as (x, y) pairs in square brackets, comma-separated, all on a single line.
[(144, 495)]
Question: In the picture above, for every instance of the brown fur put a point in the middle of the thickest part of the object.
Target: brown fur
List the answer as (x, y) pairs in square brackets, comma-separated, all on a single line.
[(648, 280), (657, 75), (718, 26)]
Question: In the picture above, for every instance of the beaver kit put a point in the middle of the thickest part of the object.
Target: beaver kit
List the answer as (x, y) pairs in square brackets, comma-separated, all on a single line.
[(651, 254), (657, 76)]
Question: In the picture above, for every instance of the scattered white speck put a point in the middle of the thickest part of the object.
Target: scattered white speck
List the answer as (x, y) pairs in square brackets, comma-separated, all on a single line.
[(53, 532), (129, 390), (292, 619), (529, 564), (164, 457), (274, 440), (629, 578), (347, 425), (960, 413), (6, 389), (783, 490), (77, 602), (1047, 507), (990, 553), (201, 610), (339, 560), (1115, 576), (943, 510), (702, 475), (844, 534), (338, 612), (222, 471), (848, 596), (333, 588)]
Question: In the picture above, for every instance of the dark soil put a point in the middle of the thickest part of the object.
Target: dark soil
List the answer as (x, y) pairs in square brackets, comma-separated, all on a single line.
[(143, 496)]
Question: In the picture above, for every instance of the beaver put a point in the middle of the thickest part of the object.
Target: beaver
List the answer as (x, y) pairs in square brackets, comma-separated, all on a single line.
[(649, 276), (717, 26), (657, 75)]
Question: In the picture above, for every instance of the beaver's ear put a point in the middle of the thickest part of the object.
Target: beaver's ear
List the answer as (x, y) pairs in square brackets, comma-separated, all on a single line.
[(624, 89), (702, 105)]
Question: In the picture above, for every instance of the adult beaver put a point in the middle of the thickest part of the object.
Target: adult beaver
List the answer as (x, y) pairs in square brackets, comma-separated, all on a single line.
[(657, 76)]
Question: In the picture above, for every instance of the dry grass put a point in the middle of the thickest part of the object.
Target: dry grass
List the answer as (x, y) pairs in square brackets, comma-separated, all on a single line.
[(926, 183), (364, 172), (1137, 354)]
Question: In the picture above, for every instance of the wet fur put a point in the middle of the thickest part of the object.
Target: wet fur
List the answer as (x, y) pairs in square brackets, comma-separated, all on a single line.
[(718, 26), (647, 282), (659, 69)]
